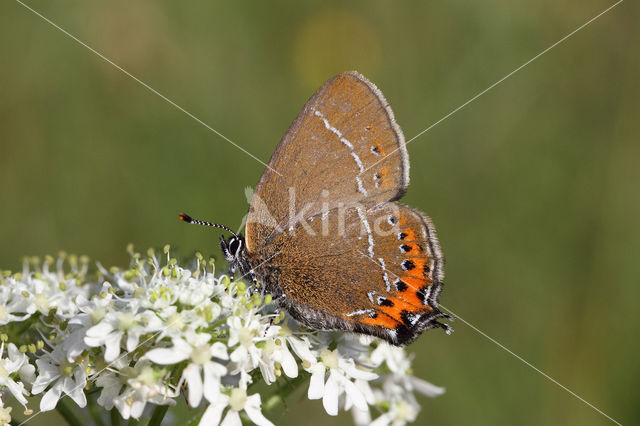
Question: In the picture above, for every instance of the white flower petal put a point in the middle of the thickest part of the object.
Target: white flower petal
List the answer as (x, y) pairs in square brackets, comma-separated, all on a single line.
[(197, 339), (74, 344), (268, 372), (50, 399), (301, 348), (382, 420), (93, 342), (213, 413), (354, 394), (75, 391), (165, 356), (330, 397), (46, 370), (123, 407), (212, 373), (193, 378), (252, 408), (288, 362), (132, 341), (48, 373), (110, 390), (219, 350), (366, 390), (18, 392), (231, 419), (316, 383), (112, 346), (17, 358), (361, 417), (100, 330), (28, 374), (356, 373), (425, 388), (137, 408), (80, 377)]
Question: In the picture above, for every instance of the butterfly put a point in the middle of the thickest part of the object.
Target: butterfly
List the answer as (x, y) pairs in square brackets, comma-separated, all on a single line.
[(325, 235)]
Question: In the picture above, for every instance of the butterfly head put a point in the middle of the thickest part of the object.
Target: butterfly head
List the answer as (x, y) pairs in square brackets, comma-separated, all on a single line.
[(233, 248), (236, 254)]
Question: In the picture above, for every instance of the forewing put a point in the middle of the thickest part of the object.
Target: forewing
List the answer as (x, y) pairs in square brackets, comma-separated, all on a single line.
[(378, 272), (345, 128)]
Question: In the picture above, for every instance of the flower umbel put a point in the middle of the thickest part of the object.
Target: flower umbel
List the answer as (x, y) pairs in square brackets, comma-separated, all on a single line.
[(141, 336)]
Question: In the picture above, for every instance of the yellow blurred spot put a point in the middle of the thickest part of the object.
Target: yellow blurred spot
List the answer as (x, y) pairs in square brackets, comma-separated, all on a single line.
[(333, 41)]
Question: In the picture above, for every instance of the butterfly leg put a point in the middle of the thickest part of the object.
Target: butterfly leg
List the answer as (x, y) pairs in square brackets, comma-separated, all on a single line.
[(255, 285), (447, 328), (275, 314)]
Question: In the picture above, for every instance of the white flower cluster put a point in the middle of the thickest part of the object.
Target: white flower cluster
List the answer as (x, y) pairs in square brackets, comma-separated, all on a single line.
[(147, 334)]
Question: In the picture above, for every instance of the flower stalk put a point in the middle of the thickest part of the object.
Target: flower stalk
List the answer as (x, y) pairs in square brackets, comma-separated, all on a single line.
[(67, 413)]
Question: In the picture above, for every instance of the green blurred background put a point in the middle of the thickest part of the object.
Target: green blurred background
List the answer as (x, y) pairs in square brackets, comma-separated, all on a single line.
[(534, 187)]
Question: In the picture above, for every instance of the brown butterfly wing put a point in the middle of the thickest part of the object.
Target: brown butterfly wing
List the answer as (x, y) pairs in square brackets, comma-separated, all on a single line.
[(382, 277), (344, 128)]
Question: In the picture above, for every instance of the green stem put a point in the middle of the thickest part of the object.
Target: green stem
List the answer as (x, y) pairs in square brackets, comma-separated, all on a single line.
[(67, 413), (217, 323), (92, 390), (114, 414), (195, 420), (279, 397), (158, 415), (28, 324), (96, 412)]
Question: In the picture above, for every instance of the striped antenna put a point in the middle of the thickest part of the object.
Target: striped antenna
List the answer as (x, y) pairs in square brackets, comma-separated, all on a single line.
[(186, 218)]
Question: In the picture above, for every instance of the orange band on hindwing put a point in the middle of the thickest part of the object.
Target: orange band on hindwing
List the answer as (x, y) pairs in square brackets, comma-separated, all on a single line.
[(381, 320), (397, 306), (413, 291)]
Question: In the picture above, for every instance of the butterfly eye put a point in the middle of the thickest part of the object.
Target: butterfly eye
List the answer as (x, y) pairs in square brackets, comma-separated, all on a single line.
[(234, 246)]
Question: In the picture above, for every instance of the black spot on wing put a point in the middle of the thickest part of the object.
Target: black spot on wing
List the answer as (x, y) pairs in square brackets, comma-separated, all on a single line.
[(400, 285), (422, 294), (408, 265), (404, 334), (383, 301)]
